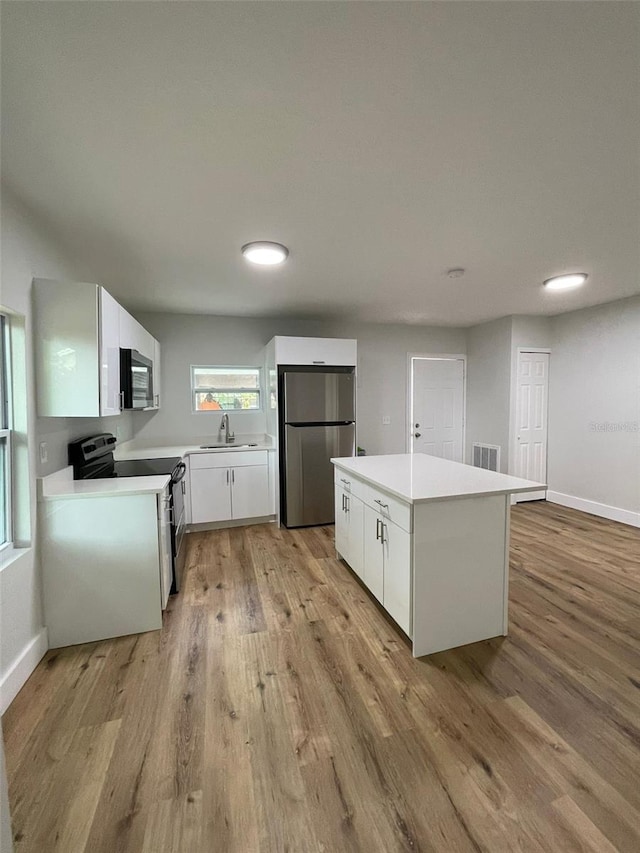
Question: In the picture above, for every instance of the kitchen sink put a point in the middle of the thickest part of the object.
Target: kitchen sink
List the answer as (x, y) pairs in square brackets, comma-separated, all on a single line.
[(225, 446)]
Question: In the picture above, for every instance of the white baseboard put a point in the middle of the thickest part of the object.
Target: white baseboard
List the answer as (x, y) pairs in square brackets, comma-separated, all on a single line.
[(21, 668), (624, 516)]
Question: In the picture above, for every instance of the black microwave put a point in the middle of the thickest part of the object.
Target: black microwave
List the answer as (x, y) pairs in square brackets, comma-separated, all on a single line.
[(136, 380)]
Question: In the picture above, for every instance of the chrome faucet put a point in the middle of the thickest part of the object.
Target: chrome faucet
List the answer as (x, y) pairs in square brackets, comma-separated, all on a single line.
[(229, 437)]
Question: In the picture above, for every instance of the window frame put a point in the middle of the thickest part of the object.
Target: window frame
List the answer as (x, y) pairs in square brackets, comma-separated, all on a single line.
[(218, 390), (5, 428)]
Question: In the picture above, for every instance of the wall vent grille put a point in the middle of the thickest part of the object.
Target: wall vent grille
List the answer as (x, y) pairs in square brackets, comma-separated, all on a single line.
[(486, 456)]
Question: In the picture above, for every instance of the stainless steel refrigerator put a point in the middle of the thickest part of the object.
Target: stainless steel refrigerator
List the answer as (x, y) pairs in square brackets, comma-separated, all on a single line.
[(317, 422)]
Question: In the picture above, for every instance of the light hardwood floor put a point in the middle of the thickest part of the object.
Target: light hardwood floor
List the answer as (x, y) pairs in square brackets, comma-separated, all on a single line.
[(279, 710)]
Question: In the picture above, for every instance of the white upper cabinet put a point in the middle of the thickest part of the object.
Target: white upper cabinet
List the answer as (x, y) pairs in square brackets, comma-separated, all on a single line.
[(133, 335), (77, 356), (78, 330), (331, 351), (156, 374), (109, 316)]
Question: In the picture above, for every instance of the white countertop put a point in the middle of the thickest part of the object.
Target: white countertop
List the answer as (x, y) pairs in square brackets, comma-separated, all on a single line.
[(153, 449), (417, 478), (62, 485)]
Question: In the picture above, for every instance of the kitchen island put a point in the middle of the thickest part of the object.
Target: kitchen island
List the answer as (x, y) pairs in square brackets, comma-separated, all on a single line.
[(429, 538)]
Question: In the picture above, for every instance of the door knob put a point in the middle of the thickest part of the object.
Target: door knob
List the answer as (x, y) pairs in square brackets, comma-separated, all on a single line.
[(416, 435)]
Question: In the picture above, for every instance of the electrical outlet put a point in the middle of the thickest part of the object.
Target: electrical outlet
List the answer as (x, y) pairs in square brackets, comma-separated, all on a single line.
[(44, 452), (386, 420)]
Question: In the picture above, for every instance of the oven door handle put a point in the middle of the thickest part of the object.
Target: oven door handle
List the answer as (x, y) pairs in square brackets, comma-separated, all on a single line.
[(181, 468)]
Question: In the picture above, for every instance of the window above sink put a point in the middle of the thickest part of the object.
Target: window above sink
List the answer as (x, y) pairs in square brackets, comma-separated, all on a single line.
[(226, 389)]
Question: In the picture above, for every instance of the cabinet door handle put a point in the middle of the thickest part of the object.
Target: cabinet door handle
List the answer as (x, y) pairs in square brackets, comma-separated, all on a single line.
[(343, 503), (383, 527), (346, 503), (184, 488), (380, 504), (346, 482), (227, 476), (121, 399), (233, 475), (378, 528)]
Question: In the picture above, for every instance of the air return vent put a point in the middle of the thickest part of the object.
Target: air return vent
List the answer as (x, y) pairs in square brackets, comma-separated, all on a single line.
[(486, 456)]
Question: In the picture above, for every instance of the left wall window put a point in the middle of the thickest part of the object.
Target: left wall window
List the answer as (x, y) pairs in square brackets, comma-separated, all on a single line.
[(6, 479)]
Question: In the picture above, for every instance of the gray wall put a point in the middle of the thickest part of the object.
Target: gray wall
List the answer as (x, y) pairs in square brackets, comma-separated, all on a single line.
[(594, 412), (382, 371), (489, 386)]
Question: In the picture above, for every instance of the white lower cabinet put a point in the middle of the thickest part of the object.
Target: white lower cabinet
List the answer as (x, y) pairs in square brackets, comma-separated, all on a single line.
[(349, 520), (105, 566), (224, 492), (210, 495), (396, 597), (373, 554), (376, 548)]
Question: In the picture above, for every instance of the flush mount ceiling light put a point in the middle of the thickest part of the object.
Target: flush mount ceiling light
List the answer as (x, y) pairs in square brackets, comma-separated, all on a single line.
[(265, 253), (566, 282)]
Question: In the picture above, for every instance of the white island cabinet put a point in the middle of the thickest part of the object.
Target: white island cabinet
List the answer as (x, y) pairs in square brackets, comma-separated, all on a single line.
[(430, 539)]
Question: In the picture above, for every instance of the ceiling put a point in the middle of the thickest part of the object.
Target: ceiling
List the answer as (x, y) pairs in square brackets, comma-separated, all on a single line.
[(382, 142)]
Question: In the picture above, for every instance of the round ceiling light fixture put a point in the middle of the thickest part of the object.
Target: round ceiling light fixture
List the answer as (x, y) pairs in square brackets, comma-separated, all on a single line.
[(566, 282), (265, 253)]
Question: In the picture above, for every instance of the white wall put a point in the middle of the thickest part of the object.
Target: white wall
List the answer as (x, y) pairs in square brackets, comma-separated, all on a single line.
[(27, 252), (382, 370), (594, 411), (489, 386)]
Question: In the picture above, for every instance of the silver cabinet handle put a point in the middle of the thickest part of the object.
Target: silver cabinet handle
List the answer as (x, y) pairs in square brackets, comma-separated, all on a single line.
[(343, 497), (184, 488), (346, 503), (227, 476), (380, 504), (121, 397), (233, 475), (383, 527), (378, 523), (346, 482), (157, 399)]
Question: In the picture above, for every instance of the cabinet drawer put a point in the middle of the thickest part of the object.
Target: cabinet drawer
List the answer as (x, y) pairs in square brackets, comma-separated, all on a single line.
[(388, 506), (351, 485), (231, 459)]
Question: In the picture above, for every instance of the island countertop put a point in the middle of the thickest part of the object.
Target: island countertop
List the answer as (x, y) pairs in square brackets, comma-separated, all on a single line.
[(418, 478)]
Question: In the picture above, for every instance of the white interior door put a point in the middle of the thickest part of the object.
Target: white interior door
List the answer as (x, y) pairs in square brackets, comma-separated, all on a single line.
[(437, 407), (531, 420)]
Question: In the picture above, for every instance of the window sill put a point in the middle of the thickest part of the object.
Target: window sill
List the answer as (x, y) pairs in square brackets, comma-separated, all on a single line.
[(11, 554)]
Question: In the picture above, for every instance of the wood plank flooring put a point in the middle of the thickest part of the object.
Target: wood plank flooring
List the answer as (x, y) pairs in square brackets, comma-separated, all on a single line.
[(280, 710)]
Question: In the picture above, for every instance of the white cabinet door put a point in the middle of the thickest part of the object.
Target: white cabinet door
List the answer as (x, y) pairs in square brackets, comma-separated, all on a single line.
[(133, 335), (334, 351), (250, 491), (373, 553), (210, 494), (109, 354), (164, 548), (355, 518), (397, 574), (156, 374), (342, 537)]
